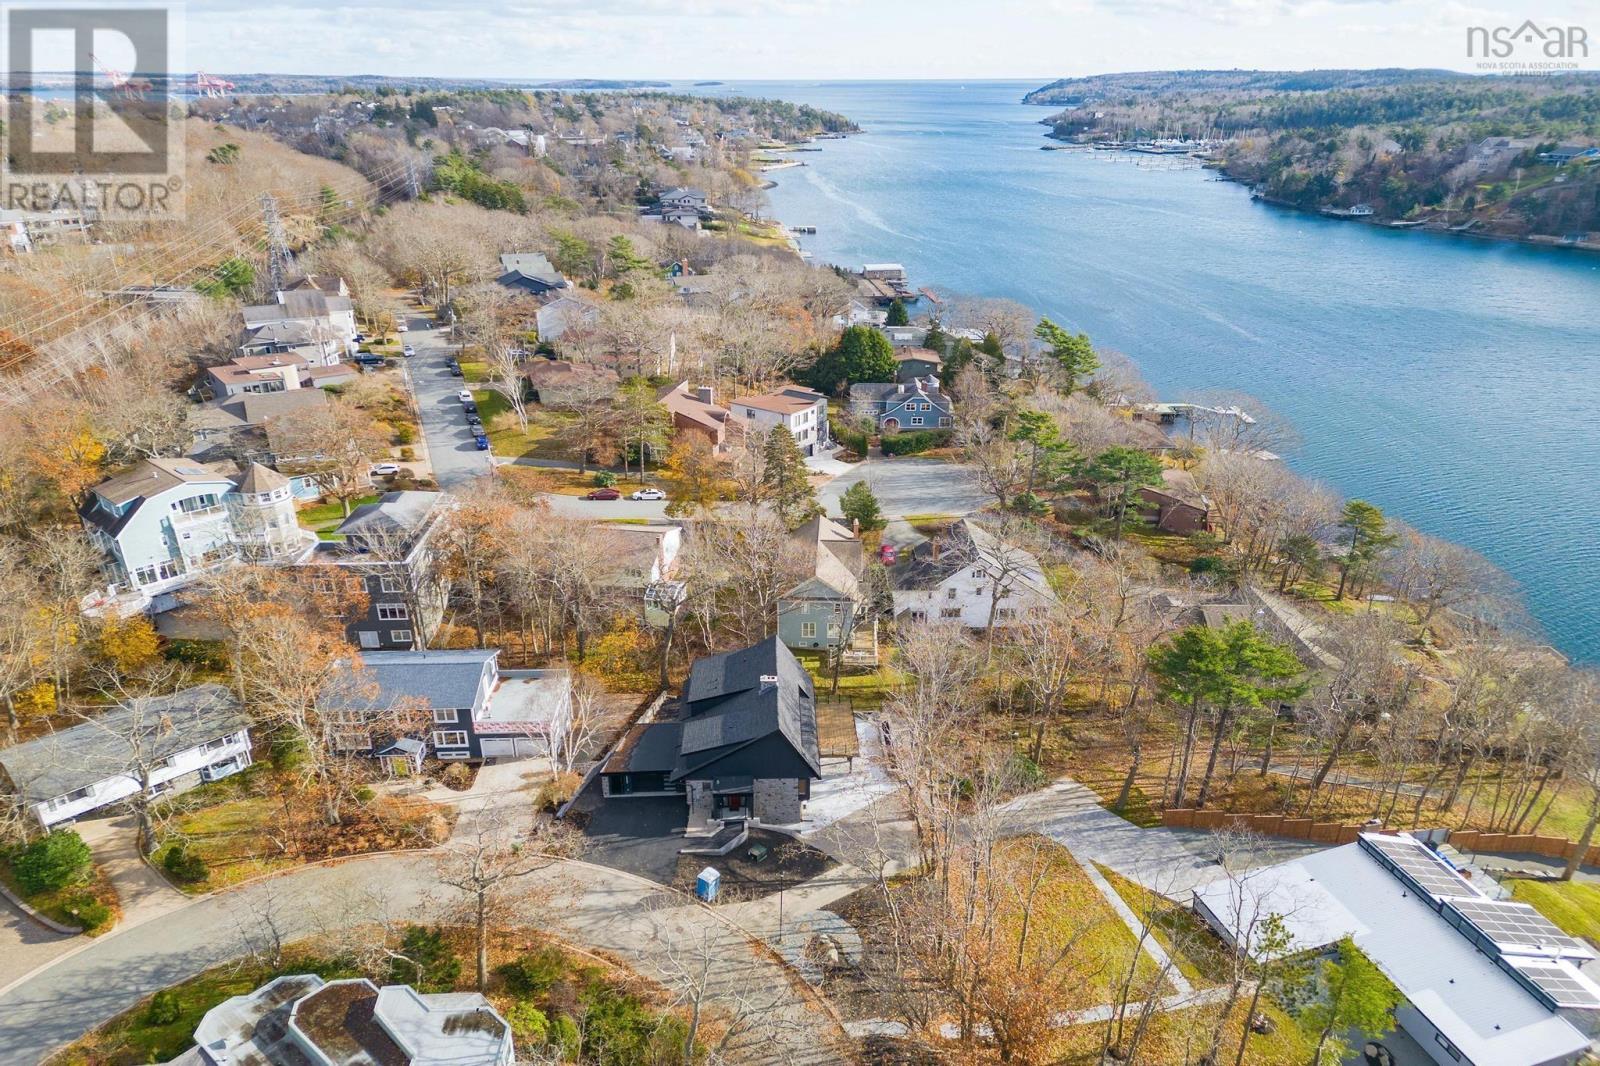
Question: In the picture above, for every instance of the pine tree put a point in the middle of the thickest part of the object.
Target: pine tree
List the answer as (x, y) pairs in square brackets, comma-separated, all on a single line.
[(784, 475), (1073, 354), (860, 504), (897, 315)]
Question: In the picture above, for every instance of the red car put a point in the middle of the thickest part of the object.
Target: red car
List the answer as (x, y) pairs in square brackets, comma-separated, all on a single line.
[(887, 554), (604, 494)]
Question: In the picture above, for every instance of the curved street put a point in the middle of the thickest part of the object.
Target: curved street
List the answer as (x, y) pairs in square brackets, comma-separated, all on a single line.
[(682, 945)]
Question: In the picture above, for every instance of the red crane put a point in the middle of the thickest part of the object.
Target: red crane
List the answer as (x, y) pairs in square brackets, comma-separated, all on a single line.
[(132, 87), (211, 85)]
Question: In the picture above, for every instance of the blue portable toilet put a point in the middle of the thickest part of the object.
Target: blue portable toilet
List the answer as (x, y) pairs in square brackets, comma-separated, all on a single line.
[(705, 886)]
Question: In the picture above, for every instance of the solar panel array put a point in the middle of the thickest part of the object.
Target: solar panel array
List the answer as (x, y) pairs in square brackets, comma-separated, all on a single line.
[(1516, 928), (1418, 865), (1559, 982)]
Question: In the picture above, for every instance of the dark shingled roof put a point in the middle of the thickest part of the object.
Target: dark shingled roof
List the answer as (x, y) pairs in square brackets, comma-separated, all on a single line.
[(649, 748), (727, 706), (446, 679)]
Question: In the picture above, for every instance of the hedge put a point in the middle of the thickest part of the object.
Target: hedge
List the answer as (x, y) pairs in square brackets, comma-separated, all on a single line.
[(916, 441)]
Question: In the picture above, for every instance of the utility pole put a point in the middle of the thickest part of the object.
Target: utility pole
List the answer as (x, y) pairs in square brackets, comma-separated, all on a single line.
[(278, 257), (413, 185)]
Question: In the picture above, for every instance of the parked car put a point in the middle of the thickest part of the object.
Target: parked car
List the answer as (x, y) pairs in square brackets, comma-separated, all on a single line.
[(471, 407), (648, 494), (465, 395), (385, 469), (887, 554), (455, 369), (368, 359), (408, 351), (473, 419), (401, 327), (604, 494), (482, 441)]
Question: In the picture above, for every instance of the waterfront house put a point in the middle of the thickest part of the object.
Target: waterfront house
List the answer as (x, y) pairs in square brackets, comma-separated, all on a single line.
[(383, 552), (695, 410), (1485, 981), (969, 576), (470, 708), (1562, 155), (530, 272), (164, 744), (803, 412), (860, 313), (906, 336), (684, 200), (1177, 505), (900, 406), (741, 741), (820, 613), (301, 1020), (163, 522)]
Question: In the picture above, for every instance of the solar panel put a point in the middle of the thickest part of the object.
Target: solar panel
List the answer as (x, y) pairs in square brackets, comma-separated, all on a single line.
[(1421, 866), (1517, 928), (1559, 981)]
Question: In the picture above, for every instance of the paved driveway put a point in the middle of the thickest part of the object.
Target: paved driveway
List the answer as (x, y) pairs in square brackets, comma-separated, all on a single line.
[(911, 486), (640, 835), (600, 510), (454, 457)]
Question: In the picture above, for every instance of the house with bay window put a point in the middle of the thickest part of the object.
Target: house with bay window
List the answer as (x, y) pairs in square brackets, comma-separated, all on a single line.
[(164, 744), (899, 406)]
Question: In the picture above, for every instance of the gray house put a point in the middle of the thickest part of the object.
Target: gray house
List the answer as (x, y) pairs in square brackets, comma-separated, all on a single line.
[(530, 272), (821, 611), (740, 743), (893, 407)]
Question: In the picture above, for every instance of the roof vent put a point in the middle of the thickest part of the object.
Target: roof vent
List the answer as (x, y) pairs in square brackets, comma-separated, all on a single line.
[(769, 682)]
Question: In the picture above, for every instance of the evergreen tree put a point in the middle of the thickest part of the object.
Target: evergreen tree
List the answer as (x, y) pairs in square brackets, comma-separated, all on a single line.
[(862, 354), (991, 356), (1120, 473), (783, 473), (860, 504), (897, 315), (1052, 459), (1370, 536), (1073, 354), (1356, 998), (937, 341)]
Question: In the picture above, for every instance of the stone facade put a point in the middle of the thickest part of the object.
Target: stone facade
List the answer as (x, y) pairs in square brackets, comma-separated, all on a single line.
[(776, 800)]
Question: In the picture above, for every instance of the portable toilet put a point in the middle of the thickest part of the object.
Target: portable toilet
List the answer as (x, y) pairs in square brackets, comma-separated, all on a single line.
[(705, 886)]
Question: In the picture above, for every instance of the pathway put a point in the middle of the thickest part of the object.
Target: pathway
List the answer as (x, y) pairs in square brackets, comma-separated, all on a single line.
[(144, 893), (644, 924)]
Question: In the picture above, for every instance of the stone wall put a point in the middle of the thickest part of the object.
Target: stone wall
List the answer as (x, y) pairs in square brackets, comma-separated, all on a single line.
[(776, 800)]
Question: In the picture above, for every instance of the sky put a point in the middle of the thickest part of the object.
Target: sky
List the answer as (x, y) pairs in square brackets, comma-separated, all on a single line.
[(843, 39)]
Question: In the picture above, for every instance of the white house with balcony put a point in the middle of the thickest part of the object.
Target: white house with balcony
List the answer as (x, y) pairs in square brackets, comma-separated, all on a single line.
[(163, 522), (803, 412), (164, 744), (967, 575)]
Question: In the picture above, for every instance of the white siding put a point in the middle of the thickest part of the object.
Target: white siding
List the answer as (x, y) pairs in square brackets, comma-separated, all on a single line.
[(111, 789)]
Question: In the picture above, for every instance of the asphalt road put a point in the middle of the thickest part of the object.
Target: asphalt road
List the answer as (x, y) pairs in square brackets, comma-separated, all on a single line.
[(911, 486), (645, 924), (454, 457)]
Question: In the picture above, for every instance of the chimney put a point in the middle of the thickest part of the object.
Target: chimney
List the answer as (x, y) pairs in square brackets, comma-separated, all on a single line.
[(935, 543), (705, 394), (769, 682)]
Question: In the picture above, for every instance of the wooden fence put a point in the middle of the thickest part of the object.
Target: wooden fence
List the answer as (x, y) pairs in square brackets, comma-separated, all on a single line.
[(1282, 825)]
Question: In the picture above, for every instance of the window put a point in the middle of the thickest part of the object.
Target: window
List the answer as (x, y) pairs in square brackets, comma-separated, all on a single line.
[(1449, 1048), (950, 593), (72, 797), (444, 716), (950, 612), (352, 741), (145, 575), (808, 630), (449, 738), (198, 504), (833, 630), (391, 585), (368, 638), (1005, 613), (916, 420), (324, 585), (393, 612), (919, 616), (401, 636)]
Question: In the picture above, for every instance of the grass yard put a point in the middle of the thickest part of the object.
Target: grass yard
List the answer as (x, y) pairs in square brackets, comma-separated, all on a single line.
[(323, 518), (92, 904), (1572, 905), (541, 440)]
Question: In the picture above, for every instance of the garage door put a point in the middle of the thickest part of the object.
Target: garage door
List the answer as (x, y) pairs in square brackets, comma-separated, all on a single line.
[(498, 749), (528, 748)]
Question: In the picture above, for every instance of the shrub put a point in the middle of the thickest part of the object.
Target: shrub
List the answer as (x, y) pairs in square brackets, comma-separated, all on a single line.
[(556, 791), (405, 434), (185, 866), (915, 441), (457, 776), (564, 1037), (84, 910), (164, 1008), (604, 479), (428, 964), (528, 1024), (1029, 774), (536, 972), (206, 654), (364, 794), (408, 455), (56, 860)]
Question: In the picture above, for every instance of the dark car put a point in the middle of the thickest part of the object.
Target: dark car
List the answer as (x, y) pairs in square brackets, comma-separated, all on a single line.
[(481, 441), (473, 419), (455, 370), (604, 494)]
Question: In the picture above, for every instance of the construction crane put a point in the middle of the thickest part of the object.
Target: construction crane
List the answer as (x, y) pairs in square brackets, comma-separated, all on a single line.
[(211, 85), (131, 87)]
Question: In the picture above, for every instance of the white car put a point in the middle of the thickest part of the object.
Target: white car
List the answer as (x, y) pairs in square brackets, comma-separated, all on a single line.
[(385, 469), (648, 494), (401, 327), (465, 395), (409, 351)]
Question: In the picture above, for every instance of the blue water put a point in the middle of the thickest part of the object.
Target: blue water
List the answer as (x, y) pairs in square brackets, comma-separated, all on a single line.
[(1454, 383)]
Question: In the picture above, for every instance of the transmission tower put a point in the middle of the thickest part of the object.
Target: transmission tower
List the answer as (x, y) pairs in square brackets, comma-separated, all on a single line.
[(278, 257)]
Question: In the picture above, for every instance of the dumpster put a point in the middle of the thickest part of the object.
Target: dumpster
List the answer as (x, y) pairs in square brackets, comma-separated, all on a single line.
[(705, 886)]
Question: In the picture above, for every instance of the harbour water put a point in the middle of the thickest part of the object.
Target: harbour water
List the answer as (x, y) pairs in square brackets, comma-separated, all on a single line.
[(1455, 383)]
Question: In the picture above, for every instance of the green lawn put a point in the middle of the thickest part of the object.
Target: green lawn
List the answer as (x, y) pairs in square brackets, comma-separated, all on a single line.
[(1573, 905), (541, 440), (324, 518)]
